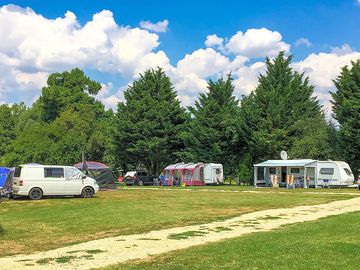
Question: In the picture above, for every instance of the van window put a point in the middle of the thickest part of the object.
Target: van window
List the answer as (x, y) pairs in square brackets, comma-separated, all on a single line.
[(327, 171), (348, 172), (54, 172), (295, 170), (17, 172)]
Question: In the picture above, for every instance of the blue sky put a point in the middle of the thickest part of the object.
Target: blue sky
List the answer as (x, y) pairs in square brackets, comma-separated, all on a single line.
[(322, 30)]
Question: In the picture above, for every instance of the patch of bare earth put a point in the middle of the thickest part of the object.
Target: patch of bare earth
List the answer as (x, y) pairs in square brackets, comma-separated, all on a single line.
[(113, 250)]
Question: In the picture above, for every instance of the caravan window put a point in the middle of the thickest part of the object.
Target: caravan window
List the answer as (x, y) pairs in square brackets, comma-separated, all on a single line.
[(295, 170), (54, 172), (187, 175), (348, 172), (327, 171)]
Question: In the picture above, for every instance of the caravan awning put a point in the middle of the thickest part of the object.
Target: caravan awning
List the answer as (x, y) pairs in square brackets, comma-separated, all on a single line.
[(286, 163)]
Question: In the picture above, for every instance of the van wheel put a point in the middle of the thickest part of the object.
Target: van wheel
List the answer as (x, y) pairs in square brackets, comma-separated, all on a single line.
[(141, 183), (87, 192), (35, 194)]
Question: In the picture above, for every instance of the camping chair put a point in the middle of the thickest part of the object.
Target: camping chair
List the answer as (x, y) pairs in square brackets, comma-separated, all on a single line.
[(326, 183), (290, 181), (299, 183)]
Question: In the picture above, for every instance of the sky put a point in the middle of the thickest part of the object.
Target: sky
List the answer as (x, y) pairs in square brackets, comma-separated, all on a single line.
[(193, 41)]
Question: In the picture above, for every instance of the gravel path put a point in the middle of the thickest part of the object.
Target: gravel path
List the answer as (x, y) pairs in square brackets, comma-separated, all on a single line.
[(113, 250)]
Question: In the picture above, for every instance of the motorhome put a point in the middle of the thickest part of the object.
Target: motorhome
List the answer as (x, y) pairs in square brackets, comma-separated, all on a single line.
[(36, 181)]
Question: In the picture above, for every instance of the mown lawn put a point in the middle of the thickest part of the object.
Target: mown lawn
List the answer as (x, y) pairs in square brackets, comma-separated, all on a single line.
[(330, 243), (28, 226)]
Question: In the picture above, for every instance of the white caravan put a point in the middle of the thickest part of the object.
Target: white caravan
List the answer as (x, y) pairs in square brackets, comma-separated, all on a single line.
[(213, 174), (35, 181), (333, 173), (315, 173)]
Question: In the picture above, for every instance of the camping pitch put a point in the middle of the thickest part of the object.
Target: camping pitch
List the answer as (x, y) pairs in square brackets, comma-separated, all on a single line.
[(303, 173)]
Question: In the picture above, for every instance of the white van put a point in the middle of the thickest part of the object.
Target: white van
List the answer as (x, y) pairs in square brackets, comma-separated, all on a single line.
[(213, 174), (36, 180)]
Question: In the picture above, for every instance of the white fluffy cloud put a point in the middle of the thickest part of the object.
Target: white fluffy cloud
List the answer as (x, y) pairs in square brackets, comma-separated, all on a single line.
[(37, 46), (214, 41), (323, 68), (303, 42), (257, 43), (160, 26)]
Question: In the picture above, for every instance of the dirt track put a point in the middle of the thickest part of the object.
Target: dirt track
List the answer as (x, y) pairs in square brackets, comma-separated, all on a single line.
[(108, 251)]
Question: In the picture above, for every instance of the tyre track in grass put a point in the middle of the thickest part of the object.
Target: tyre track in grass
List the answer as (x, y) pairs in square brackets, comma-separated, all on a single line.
[(114, 250)]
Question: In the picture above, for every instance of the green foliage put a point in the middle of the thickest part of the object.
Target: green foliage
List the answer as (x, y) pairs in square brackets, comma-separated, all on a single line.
[(68, 90), (346, 109), (282, 114), (213, 135), (62, 124), (148, 124), (245, 173)]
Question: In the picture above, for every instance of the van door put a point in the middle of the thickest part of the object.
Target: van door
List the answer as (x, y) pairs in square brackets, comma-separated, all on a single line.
[(54, 183), (74, 181)]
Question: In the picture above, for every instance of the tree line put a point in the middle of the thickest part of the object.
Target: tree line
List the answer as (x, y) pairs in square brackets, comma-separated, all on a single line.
[(151, 127)]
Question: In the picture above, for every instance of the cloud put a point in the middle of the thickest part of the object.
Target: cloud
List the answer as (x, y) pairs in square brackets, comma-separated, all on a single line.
[(303, 41), (257, 43), (158, 27), (323, 68), (37, 46), (343, 50), (214, 41)]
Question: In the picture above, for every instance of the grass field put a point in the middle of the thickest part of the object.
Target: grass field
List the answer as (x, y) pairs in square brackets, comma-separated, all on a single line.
[(330, 243), (28, 226)]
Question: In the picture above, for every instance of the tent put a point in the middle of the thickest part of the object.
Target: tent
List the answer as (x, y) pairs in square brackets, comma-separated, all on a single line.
[(103, 175), (6, 180), (190, 174), (4, 172)]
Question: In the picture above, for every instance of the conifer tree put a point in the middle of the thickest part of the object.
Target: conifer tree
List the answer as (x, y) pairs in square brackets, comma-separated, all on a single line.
[(149, 123), (213, 134), (283, 114), (346, 110)]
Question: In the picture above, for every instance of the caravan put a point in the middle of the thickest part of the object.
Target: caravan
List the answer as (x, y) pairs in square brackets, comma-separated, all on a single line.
[(213, 174), (303, 173)]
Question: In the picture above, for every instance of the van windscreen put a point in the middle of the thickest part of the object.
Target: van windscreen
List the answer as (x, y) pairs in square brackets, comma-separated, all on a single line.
[(17, 172)]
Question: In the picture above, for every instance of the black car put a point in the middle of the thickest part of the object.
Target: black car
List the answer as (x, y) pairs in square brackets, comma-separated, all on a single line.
[(140, 178)]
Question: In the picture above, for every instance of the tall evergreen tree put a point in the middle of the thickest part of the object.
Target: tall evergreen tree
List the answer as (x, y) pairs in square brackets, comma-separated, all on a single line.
[(213, 134), (283, 114), (149, 123), (346, 110)]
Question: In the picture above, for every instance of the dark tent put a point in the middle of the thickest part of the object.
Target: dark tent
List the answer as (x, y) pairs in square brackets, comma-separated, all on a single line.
[(103, 175)]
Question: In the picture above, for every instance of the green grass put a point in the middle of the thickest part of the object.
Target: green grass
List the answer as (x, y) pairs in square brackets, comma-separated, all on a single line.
[(186, 235), (30, 226), (330, 243)]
